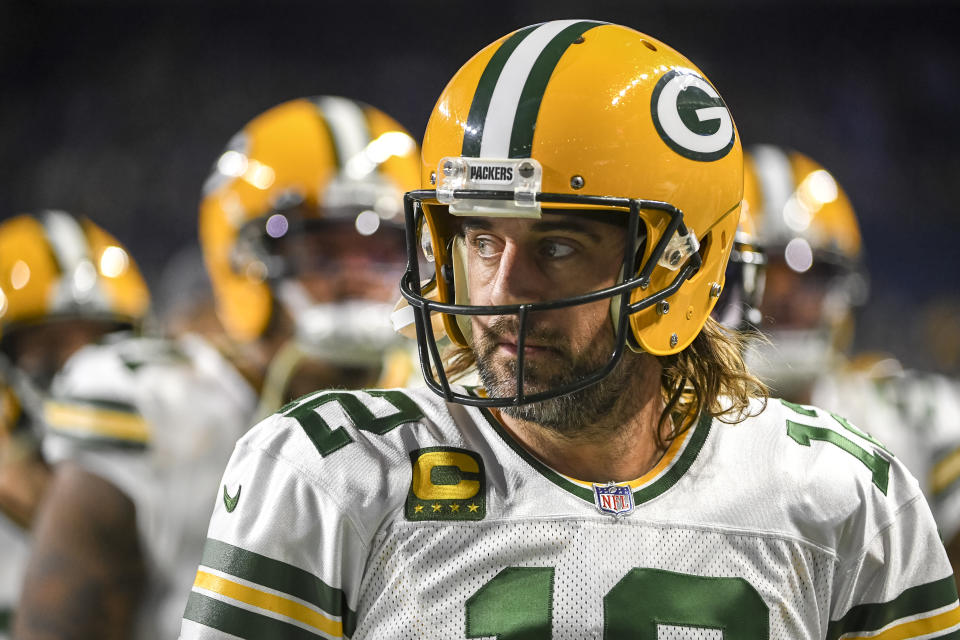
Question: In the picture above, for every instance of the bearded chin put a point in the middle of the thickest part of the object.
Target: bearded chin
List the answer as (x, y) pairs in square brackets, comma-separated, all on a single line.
[(570, 414)]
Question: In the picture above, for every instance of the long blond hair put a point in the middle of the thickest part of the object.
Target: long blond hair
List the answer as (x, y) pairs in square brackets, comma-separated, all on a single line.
[(709, 376)]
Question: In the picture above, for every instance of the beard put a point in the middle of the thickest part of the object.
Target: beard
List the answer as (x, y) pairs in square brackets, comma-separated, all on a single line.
[(578, 413)]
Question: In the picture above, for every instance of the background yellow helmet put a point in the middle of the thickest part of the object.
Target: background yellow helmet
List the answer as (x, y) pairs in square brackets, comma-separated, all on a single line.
[(55, 266), (799, 209), (325, 156), (807, 226), (599, 110), (739, 306)]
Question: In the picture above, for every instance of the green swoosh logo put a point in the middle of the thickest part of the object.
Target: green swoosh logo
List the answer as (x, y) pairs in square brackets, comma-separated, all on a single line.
[(230, 502)]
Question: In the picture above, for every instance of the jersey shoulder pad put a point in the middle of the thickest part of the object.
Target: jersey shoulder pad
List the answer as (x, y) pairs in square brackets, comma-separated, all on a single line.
[(95, 398), (845, 450), (351, 444)]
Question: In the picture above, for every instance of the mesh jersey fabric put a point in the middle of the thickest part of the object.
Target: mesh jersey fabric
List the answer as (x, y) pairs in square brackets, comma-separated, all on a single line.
[(792, 519)]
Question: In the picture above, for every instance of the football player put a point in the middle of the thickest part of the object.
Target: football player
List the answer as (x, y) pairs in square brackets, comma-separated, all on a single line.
[(807, 226), (302, 234), (22, 480), (64, 283), (618, 473)]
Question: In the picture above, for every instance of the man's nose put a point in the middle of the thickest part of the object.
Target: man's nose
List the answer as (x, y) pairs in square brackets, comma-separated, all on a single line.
[(518, 278)]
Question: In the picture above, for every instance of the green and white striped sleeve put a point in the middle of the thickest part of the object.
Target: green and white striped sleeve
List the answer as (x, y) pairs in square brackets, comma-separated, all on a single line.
[(282, 559)]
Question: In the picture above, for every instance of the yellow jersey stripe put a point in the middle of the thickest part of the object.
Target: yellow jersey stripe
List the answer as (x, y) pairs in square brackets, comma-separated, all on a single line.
[(96, 421), (945, 472), (917, 628), (269, 602)]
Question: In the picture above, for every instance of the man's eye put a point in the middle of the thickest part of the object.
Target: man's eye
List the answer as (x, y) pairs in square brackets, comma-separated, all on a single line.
[(555, 250), (484, 247)]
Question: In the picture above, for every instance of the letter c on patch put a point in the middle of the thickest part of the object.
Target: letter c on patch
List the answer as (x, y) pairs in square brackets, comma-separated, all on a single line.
[(458, 467)]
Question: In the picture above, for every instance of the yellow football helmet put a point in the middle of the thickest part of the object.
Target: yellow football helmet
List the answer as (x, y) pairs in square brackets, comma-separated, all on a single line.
[(815, 275), (55, 266), (306, 161), (587, 117)]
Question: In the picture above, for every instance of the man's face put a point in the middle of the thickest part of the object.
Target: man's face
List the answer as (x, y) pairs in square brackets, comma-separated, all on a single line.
[(335, 262), (337, 279), (513, 261), (793, 300)]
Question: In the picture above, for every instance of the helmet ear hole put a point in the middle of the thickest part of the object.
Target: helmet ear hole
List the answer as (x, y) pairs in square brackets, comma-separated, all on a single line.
[(705, 251), (460, 285), (642, 236)]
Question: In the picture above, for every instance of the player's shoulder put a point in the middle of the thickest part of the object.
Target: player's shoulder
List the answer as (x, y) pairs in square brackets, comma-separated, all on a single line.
[(351, 441), (814, 450), (95, 397), (116, 359), (333, 424), (120, 391)]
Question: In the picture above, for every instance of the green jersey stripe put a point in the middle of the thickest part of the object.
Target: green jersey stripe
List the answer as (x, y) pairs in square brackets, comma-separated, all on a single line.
[(473, 133), (657, 487), (240, 622), (6, 617), (525, 121), (278, 576), (676, 471), (866, 618), (543, 469)]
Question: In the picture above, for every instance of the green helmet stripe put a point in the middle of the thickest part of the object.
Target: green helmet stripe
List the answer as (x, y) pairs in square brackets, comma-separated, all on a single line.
[(481, 97), (525, 122)]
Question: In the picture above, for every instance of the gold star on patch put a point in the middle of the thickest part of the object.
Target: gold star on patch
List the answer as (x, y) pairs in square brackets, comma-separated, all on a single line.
[(454, 507), (436, 507), (473, 507), (418, 508)]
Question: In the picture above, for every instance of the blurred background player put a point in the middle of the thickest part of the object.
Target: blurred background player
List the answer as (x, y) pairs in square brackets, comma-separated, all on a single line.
[(301, 228), (23, 477), (801, 219), (64, 283)]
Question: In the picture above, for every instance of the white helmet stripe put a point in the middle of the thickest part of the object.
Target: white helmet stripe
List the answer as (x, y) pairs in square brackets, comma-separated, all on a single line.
[(80, 285), (67, 239), (498, 125), (348, 126), (775, 176)]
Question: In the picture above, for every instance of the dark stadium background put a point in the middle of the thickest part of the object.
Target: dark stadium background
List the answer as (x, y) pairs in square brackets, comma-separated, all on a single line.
[(118, 108)]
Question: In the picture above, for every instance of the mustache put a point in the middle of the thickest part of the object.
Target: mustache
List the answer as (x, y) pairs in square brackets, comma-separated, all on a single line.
[(509, 326)]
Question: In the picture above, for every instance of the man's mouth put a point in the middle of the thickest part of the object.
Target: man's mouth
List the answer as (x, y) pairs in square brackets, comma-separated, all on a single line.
[(510, 347)]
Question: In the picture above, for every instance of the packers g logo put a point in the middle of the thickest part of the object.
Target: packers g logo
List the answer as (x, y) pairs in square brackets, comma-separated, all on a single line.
[(446, 484), (691, 117)]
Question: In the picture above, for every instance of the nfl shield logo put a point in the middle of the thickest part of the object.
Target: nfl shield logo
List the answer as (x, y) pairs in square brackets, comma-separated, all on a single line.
[(615, 499)]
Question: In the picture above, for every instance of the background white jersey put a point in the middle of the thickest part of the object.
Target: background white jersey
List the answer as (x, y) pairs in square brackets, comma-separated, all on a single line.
[(389, 514), (158, 419), (14, 551), (917, 417)]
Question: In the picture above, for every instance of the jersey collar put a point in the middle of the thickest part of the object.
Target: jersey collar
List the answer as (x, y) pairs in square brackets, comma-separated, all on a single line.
[(675, 462)]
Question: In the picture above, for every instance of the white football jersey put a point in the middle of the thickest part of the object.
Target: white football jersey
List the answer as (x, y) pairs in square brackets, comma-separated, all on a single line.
[(14, 551), (391, 514), (917, 417), (158, 419)]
